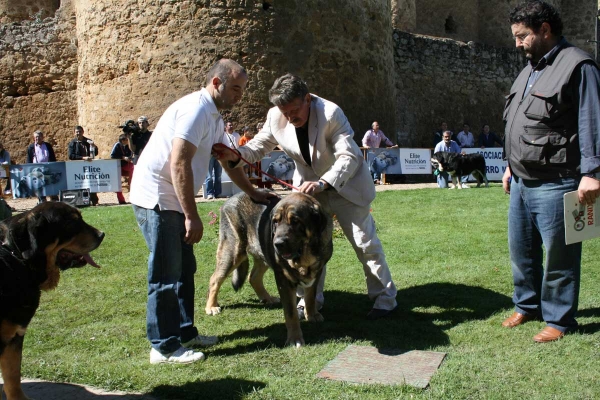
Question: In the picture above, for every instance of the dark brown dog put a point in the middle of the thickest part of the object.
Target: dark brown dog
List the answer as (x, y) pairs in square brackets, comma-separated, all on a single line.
[(293, 237), (36, 245)]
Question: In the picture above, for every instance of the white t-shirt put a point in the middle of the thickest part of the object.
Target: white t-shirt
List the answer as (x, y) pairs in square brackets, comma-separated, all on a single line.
[(193, 118)]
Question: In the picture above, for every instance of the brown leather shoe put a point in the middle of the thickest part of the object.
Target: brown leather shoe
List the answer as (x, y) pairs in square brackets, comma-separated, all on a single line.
[(516, 319), (548, 334)]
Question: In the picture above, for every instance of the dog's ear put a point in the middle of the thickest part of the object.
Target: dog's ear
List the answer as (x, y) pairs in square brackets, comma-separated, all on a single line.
[(320, 218), (20, 236), (35, 230)]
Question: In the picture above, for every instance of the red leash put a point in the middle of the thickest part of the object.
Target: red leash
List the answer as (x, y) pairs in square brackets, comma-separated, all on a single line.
[(220, 148)]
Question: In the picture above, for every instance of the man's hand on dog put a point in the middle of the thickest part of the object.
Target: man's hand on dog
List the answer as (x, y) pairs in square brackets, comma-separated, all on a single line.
[(263, 197), (313, 188), (194, 229)]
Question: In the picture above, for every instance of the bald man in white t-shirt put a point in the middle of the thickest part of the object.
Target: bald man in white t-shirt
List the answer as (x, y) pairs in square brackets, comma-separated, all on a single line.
[(168, 175)]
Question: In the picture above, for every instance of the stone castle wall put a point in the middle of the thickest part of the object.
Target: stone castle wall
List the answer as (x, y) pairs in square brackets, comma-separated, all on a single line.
[(38, 82), (100, 62), (445, 80), (19, 10), (486, 21), (144, 56)]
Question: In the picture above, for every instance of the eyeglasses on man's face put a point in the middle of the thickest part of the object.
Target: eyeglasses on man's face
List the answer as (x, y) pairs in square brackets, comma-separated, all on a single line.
[(521, 37)]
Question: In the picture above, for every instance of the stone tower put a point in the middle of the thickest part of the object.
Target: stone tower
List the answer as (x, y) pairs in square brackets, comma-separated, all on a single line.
[(19, 10), (135, 57)]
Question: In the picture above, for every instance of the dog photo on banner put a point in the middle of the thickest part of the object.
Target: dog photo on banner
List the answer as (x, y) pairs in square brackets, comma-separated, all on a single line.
[(33, 180), (279, 165), (384, 161)]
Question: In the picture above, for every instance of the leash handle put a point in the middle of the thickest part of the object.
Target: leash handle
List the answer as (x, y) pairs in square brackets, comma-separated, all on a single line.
[(220, 148)]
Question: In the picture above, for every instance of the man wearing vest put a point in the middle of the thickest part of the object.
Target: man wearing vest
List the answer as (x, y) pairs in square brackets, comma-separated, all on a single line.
[(552, 147)]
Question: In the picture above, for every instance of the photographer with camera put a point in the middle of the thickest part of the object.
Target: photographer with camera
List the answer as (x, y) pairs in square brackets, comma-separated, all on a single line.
[(140, 135)]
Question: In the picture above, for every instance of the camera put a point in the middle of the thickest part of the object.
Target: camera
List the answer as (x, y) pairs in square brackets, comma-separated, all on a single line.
[(130, 130), (130, 127)]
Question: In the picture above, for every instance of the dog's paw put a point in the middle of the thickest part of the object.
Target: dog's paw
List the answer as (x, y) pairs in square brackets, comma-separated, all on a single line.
[(213, 310), (270, 301), (318, 317), (295, 342)]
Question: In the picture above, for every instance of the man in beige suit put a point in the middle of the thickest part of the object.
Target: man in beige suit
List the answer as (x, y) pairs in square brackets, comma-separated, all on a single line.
[(316, 134)]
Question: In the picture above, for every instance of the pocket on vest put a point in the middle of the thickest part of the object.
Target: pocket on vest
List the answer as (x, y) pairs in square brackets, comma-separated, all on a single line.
[(542, 106), (542, 147)]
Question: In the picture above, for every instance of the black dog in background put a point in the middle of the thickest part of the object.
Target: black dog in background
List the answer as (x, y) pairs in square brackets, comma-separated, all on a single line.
[(459, 165)]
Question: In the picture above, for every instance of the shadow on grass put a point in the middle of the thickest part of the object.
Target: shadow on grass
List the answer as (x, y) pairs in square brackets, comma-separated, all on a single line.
[(216, 389), (423, 315), (592, 327), (69, 391)]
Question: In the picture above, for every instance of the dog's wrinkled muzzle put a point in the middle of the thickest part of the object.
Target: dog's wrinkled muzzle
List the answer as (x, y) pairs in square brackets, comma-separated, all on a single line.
[(284, 249)]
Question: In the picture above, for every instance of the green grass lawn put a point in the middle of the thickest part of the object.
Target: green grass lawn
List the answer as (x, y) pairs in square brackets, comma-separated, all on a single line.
[(447, 250)]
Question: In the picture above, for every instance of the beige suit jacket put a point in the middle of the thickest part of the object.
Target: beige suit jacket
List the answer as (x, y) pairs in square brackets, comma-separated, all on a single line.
[(336, 158)]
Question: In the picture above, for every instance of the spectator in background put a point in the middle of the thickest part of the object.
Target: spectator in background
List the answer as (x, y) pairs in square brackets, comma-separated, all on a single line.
[(465, 137), (81, 149), (5, 160), (437, 135), (121, 151), (374, 137), (40, 152), (246, 136), (212, 183), (213, 177), (488, 139), (233, 136), (139, 138), (450, 146), (372, 140)]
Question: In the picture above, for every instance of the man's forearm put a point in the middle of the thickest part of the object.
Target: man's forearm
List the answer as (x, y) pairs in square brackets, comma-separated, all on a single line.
[(184, 188)]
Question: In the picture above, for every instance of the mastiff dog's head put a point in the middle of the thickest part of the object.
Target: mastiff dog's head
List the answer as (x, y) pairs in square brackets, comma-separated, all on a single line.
[(301, 237)]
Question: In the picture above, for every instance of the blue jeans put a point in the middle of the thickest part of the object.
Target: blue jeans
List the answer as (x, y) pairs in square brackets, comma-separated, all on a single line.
[(213, 178), (171, 268), (442, 179), (536, 219)]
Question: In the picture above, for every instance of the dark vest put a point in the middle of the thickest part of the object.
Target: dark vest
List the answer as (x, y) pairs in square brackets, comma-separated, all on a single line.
[(541, 128)]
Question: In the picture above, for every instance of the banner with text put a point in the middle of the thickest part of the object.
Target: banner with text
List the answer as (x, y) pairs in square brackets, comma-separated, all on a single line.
[(399, 161), (48, 179), (415, 161), (494, 164)]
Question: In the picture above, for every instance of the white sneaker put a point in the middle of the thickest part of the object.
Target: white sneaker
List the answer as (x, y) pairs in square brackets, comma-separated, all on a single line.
[(465, 186), (179, 356), (210, 197), (200, 341)]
